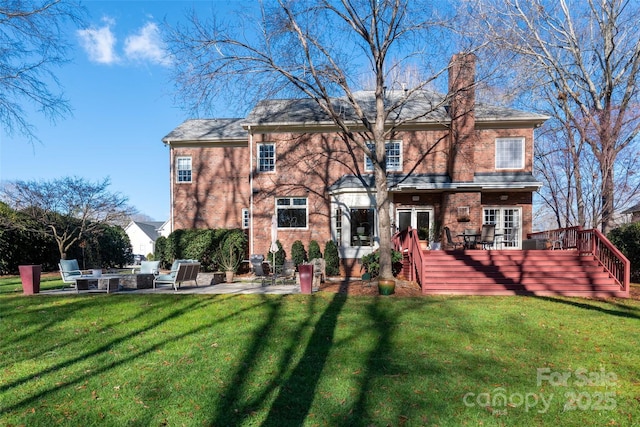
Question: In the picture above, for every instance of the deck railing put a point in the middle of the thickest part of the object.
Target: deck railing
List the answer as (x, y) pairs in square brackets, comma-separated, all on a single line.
[(617, 265), (592, 242), (407, 243), (569, 238)]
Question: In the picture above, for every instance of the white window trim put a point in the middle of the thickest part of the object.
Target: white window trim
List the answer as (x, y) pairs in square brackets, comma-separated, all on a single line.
[(500, 224), (306, 208), (514, 138), (368, 164), (262, 144), (245, 218), (178, 158)]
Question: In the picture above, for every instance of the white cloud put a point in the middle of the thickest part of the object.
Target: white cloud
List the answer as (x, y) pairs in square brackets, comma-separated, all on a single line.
[(147, 45), (99, 43)]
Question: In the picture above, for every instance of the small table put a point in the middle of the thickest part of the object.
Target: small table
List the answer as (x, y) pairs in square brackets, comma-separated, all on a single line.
[(105, 283), (470, 240)]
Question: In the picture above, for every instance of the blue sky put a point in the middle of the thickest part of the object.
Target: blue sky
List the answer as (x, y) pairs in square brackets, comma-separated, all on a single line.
[(119, 88)]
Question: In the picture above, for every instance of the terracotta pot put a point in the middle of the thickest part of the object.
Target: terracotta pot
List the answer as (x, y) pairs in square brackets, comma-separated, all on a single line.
[(229, 276), (306, 278), (386, 286), (30, 276)]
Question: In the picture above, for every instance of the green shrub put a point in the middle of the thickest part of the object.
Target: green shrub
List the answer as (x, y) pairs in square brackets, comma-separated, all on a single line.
[(298, 253), (627, 239), (160, 251), (332, 258), (371, 263), (314, 250), (200, 245)]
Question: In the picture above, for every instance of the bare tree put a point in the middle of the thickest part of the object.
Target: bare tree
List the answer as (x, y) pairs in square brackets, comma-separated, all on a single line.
[(290, 50), (66, 209), (32, 44), (587, 53)]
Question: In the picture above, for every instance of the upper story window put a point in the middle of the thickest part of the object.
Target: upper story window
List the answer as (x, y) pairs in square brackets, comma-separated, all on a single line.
[(266, 157), (183, 169), (510, 153), (394, 156), (292, 212)]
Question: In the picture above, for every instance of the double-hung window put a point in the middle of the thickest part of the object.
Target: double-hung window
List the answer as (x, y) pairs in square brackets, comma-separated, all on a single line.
[(510, 153), (393, 153), (183, 169), (266, 157), (292, 212)]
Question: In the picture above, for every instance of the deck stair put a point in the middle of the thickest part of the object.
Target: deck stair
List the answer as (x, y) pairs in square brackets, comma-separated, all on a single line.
[(514, 272)]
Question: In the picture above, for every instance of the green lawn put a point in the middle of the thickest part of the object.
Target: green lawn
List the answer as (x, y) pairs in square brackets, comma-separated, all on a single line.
[(326, 359)]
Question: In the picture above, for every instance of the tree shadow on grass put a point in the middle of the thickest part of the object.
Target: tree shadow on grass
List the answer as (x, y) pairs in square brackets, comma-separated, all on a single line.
[(105, 348), (617, 308)]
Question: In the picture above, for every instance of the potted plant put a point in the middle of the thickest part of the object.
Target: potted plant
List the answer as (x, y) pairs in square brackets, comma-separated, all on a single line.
[(435, 234), (229, 260), (371, 264), (423, 237)]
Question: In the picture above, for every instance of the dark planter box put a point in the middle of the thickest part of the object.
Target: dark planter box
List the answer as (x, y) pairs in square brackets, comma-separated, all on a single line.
[(306, 278), (30, 277)]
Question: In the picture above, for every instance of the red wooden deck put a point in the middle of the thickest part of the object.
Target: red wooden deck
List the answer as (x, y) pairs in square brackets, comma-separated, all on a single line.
[(591, 267), (511, 272)]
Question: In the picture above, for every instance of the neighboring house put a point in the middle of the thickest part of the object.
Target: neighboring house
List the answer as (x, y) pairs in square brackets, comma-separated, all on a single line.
[(633, 213), (165, 229), (286, 158), (143, 236)]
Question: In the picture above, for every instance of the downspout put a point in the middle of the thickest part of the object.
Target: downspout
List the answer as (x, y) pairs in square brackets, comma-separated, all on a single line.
[(171, 219), (250, 191)]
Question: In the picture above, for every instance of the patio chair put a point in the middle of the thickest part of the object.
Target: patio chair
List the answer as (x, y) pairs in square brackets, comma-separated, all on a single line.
[(70, 272), (286, 273), (487, 235), (559, 241), (470, 238), (149, 267), (510, 239), (450, 241), (182, 270), (258, 269)]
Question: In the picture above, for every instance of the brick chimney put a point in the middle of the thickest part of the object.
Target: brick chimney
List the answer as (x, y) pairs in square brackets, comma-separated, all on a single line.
[(462, 69)]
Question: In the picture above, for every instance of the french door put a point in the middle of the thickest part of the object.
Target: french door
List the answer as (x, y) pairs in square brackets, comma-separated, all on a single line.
[(416, 218), (508, 223)]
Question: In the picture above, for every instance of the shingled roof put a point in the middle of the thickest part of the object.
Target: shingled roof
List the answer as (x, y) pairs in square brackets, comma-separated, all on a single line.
[(420, 107), (208, 130)]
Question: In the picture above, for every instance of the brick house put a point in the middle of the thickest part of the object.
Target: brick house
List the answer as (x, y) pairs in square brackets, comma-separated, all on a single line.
[(464, 164)]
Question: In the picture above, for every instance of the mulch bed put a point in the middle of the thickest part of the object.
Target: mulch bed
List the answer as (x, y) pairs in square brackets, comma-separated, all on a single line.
[(404, 288)]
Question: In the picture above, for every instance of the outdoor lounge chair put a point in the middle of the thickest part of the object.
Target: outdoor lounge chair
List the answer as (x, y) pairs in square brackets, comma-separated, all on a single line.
[(149, 267), (182, 270), (70, 272)]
